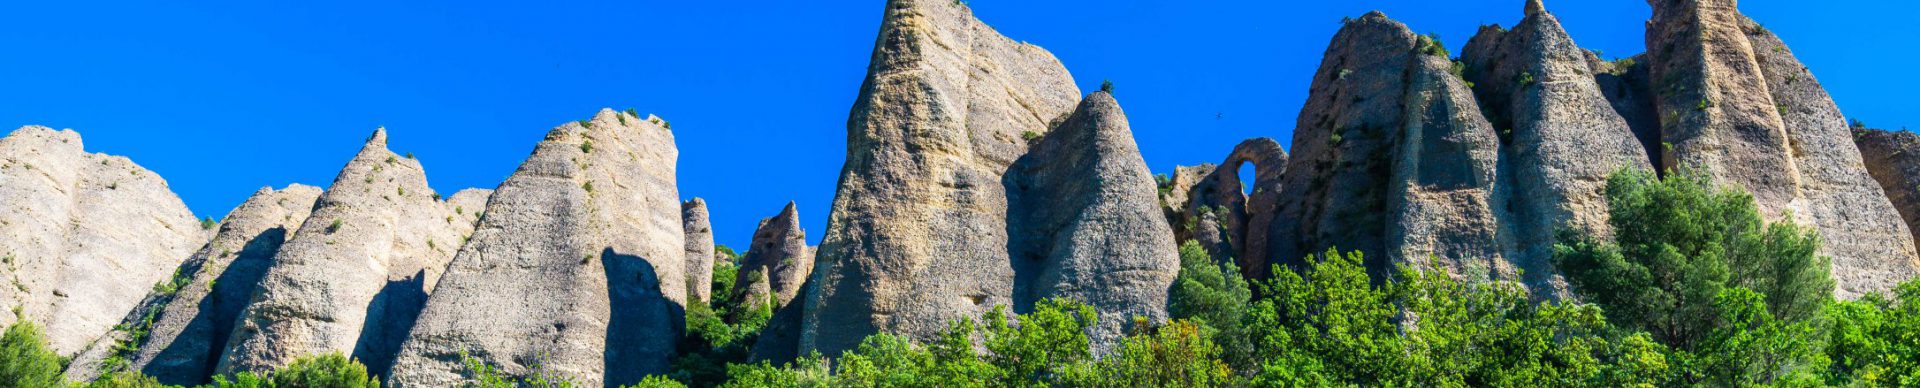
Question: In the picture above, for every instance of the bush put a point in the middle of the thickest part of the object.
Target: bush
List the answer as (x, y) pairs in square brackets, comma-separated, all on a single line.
[(25, 360), (324, 371), (1213, 295)]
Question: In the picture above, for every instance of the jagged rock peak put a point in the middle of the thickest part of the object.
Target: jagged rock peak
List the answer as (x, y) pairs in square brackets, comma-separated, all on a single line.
[(83, 236), (356, 274), (576, 269), (193, 320), (1535, 7), (778, 256), (700, 250), (916, 238)]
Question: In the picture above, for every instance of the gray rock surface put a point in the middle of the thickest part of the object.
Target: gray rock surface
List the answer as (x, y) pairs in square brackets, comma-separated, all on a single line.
[(469, 205), (1893, 158), (1737, 106), (1225, 210), (83, 236), (191, 324), (700, 253), (352, 279), (1086, 226), (777, 263), (576, 270), (1176, 192), (1565, 138), (917, 236), (1446, 209)]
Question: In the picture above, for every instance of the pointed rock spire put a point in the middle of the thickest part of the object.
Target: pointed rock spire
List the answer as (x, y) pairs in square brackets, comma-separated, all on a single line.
[(780, 256), (1535, 7), (693, 216)]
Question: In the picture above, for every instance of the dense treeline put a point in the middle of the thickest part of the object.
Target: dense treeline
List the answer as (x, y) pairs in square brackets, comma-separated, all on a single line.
[(1693, 289)]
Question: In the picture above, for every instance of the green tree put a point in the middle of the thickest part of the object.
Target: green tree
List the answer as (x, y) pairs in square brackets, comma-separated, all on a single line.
[(25, 360), (1749, 347), (330, 370), (1216, 296), (1178, 354), (1678, 243), (1874, 341)]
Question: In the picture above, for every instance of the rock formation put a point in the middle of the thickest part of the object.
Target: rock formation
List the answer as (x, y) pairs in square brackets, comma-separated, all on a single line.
[(918, 232), (777, 263), (1222, 210), (700, 252), (1737, 106), (1563, 137), (83, 237), (1893, 158), (469, 205), (187, 325), (1085, 223), (356, 274), (576, 271)]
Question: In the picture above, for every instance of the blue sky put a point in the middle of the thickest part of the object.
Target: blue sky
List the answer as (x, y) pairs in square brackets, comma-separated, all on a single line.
[(223, 97)]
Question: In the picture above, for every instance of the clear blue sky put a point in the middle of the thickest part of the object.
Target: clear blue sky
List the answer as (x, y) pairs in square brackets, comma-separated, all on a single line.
[(223, 97)]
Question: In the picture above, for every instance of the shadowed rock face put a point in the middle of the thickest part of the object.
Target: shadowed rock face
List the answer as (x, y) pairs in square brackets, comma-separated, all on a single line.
[(1085, 223), (1565, 137), (1736, 105), (576, 269), (357, 272), (1893, 158), (190, 325), (917, 236), (1220, 209), (700, 255), (777, 262), (83, 237)]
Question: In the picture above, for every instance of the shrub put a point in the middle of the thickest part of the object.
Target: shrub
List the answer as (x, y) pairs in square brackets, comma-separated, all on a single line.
[(324, 371), (1106, 86), (1030, 135), (25, 360), (1213, 295)]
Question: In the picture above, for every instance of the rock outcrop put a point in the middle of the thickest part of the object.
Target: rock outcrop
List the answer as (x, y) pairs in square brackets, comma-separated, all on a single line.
[(917, 237), (777, 263), (187, 325), (1893, 158), (83, 237), (356, 274), (1737, 106), (700, 254), (1085, 223), (1220, 211), (469, 205), (576, 271), (1563, 137)]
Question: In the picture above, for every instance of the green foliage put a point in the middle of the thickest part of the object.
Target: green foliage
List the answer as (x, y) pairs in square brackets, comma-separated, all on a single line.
[(586, 147), (1430, 44), (126, 380), (334, 227), (324, 371), (1106, 86), (1749, 347), (205, 223), (1679, 243), (1213, 295), (1180, 354), (1874, 341), (25, 360), (1525, 78), (1029, 135)]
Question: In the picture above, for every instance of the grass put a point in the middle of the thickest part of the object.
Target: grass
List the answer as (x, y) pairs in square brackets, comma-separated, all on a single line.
[(334, 227), (1030, 135)]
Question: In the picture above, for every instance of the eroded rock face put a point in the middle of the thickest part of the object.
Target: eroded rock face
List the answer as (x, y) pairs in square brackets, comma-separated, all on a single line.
[(1736, 105), (576, 269), (1564, 138), (191, 324), (700, 254), (1225, 210), (777, 263), (356, 274), (83, 237), (1085, 223), (1447, 203), (469, 205), (918, 233), (1893, 158)]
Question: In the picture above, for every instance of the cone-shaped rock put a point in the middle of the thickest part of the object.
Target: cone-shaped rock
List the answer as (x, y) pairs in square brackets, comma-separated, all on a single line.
[(1564, 137), (1736, 105), (1388, 127), (917, 236), (693, 217), (83, 237), (191, 321), (576, 269), (1893, 158), (779, 257), (355, 275), (1085, 223)]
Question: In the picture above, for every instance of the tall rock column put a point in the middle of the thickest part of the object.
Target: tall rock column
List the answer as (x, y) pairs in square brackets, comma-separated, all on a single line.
[(356, 274), (1893, 158), (191, 321), (83, 237), (917, 236), (777, 263), (1736, 105), (1564, 136), (699, 230), (576, 270), (1086, 224)]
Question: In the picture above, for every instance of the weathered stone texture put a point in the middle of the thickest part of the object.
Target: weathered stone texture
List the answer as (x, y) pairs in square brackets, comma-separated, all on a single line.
[(1893, 158), (777, 263), (700, 251), (576, 269), (83, 237)]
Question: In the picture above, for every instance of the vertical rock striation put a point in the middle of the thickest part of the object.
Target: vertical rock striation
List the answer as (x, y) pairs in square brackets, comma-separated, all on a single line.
[(1893, 158), (576, 270), (917, 235), (356, 274), (188, 325), (83, 237), (700, 255)]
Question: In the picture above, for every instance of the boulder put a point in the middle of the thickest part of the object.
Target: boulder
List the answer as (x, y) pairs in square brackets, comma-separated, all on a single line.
[(917, 236), (83, 236), (355, 275), (576, 271)]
